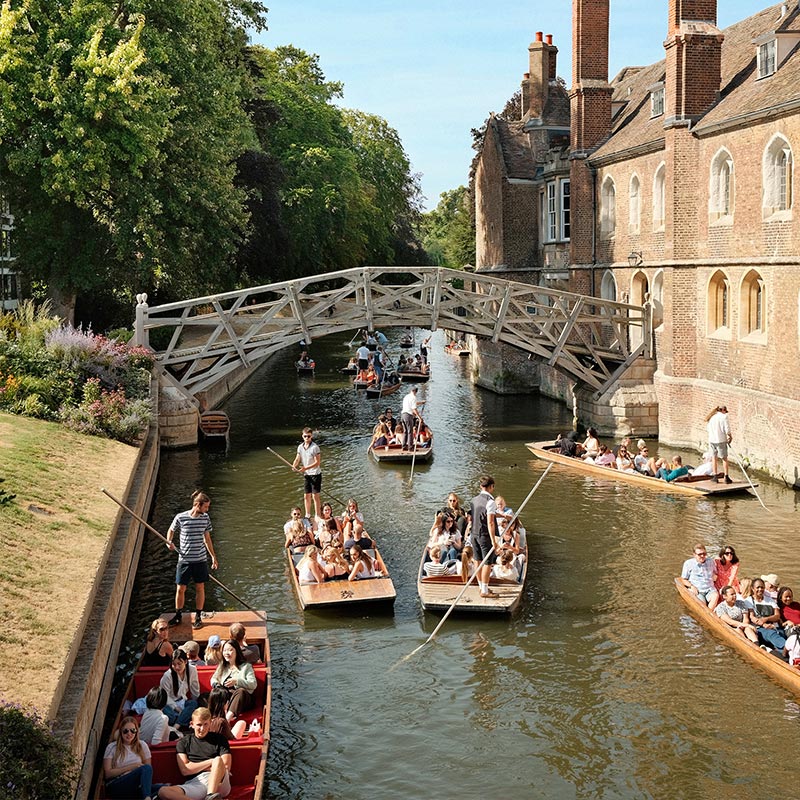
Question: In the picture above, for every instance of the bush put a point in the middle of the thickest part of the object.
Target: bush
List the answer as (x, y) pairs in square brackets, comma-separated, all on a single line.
[(34, 764)]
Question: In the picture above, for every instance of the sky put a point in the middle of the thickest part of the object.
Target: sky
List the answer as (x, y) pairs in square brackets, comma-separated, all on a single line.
[(435, 69)]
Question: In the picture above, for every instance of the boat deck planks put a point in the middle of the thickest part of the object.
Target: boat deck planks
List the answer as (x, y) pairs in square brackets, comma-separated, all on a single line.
[(395, 453), (214, 425), (778, 669), (544, 450)]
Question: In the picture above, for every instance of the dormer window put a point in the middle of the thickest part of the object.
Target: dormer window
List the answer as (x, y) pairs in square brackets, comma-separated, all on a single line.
[(657, 100), (767, 58)]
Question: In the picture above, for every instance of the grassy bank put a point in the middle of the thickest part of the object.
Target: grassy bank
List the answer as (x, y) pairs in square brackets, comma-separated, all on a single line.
[(53, 536)]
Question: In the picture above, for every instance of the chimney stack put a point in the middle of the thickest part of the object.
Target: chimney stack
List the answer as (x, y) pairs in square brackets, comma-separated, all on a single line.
[(542, 69)]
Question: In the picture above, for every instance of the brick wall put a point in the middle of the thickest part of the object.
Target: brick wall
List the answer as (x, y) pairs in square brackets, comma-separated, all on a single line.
[(489, 182)]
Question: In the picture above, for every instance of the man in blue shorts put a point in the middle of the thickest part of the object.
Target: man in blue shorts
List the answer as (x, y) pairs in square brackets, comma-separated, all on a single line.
[(307, 461), (483, 535)]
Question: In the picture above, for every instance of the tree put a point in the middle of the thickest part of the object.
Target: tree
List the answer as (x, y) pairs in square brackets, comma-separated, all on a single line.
[(448, 233)]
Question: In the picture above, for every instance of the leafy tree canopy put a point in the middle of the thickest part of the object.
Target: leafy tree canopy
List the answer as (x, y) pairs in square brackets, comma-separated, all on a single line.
[(448, 233)]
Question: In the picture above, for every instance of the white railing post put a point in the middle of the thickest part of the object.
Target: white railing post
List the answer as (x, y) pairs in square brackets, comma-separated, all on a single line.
[(140, 334)]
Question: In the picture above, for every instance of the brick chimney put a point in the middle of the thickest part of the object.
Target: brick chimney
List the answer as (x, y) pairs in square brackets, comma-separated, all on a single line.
[(542, 70), (694, 60)]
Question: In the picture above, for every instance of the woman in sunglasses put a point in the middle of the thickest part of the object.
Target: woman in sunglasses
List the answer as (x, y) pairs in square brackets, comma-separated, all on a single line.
[(727, 568), (126, 764), (157, 648)]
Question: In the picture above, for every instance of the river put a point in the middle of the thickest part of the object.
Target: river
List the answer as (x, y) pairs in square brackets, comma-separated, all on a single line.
[(601, 685)]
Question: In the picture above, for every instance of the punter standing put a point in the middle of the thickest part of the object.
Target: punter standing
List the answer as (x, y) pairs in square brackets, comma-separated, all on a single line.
[(719, 437), (484, 533), (307, 461), (409, 417), (194, 529)]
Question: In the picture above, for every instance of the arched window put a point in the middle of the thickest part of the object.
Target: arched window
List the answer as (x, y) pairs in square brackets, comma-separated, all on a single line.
[(659, 197), (608, 286), (640, 289), (720, 190), (753, 318), (718, 302), (634, 205), (777, 192), (658, 299), (608, 211)]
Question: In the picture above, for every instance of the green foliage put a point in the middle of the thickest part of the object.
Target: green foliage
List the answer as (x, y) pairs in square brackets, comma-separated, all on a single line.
[(34, 764), (448, 233)]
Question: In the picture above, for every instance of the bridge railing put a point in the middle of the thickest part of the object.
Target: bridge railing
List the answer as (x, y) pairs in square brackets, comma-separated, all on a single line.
[(201, 339)]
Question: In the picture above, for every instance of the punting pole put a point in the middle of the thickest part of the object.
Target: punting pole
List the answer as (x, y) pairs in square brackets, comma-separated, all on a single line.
[(474, 574), (414, 454), (741, 467), (322, 491), (164, 539)]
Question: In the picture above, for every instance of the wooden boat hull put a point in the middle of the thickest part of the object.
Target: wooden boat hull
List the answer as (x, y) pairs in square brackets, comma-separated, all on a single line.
[(361, 384), (414, 377), (396, 454), (305, 370), (330, 594), (455, 351), (438, 593), (701, 488), (374, 392), (778, 669), (214, 426), (249, 753), (405, 343), (349, 370)]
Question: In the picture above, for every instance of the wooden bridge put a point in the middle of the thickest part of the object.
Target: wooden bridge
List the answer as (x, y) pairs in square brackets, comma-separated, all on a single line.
[(592, 340)]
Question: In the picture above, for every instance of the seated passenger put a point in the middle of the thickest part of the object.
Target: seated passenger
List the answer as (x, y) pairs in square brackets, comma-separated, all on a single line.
[(237, 677), (771, 583), (727, 563), (330, 535), (789, 610), (434, 566), (380, 434), (321, 522), (213, 653), (504, 567), (194, 750), (591, 444), (192, 650), (568, 445), (642, 462), (698, 575), (791, 650), (764, 615), (399, 434), (304, 361), (453, 507), (736, 614), (250, 652), (363, 541), (466, 566), (298, 537), (705, 469), (391, 422), (504, 513), (510, 537), (154, 727), (296, 514), (334, 564), (626, 443), (625, 461), (218, 708), (424, 435), (127, 770), (363, 566), (606, 458), (157, 647), (182, 686), (308, 568), (677, 471), (352, 521)]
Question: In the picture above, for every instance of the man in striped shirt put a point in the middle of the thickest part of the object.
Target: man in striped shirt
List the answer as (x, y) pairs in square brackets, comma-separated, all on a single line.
[(194, 529)]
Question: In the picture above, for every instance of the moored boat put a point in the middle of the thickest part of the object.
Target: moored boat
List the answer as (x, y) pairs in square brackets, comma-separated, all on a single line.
[(340, 592), (397, 453), (778, 669), (248, 754), (439, 592), (414, 376), (548, 451), (214, 426)]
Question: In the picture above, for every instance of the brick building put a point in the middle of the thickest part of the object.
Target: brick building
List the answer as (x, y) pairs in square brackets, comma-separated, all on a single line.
[(682, 189)]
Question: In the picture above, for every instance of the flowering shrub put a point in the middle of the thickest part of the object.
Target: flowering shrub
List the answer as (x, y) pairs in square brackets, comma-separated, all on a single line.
[(91, 383), (33, 762)]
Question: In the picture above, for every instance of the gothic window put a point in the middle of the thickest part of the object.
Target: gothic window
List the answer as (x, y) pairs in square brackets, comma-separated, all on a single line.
[(658, 299), (634, 205), (608, 286), (777, 170), (720, 196), (718, 302), (608, 212), (659, 197), (753, 304)]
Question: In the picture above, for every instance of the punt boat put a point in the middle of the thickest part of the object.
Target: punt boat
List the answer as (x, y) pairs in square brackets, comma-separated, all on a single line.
[(357, 384), (249, 754), (456, 350), (340, 592), (548, 451), (383, 390), (414, 376), (406, 341), (349, 370), (397, 453), (778, 669), (438, 592), (214, 426), (305, 367)]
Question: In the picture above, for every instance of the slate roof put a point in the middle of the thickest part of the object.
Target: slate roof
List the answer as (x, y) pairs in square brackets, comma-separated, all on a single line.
[(740, 94), (515, 147)]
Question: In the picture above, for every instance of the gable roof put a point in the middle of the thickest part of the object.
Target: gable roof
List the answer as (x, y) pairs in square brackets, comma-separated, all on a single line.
[(516, 151)]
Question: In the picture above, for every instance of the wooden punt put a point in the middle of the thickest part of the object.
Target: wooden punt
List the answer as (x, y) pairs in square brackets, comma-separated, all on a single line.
[(214, 426), (437, 593), (462, 352), (547, 451), (406, 342), (414, 377), (357, 384), (778, 669), (349, 370), (249, 754), (374, 392), (397, 453), (305, 368), (330, 594)]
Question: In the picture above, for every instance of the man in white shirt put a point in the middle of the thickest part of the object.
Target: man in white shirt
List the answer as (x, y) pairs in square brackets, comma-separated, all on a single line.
[(363, 354), (411, 418), (307, 461), (719, 437)]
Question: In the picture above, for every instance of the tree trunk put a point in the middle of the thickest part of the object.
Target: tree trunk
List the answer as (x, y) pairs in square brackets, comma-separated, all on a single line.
[(63, 303)]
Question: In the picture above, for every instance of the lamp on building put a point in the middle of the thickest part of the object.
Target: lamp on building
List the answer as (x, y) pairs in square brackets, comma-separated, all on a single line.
[(635, 258)]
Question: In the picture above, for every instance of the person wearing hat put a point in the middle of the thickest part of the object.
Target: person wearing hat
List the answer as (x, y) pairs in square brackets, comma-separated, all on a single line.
[(192, 650), (719, 437), (771, 584), (213, 654), (409, 417)]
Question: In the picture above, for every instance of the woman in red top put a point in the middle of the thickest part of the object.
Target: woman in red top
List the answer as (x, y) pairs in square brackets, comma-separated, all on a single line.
[(789, 610), (727, 569)]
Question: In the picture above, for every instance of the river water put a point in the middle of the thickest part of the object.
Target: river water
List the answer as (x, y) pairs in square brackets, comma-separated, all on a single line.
[(601, 685)]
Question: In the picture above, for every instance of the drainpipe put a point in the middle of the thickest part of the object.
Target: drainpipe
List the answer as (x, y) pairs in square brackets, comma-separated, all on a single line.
[(594, 225)]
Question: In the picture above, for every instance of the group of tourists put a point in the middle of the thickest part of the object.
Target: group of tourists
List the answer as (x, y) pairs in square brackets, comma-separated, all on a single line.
[(487, 539), (176, 709), (624, 458), (408, 432), (760, 608)]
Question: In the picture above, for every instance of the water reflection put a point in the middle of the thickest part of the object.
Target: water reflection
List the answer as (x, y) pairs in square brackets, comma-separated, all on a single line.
[(601, 686)]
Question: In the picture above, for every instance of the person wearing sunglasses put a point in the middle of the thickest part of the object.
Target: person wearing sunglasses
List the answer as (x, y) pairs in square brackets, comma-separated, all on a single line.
[(307, 461), (727, 563), (698, 575), (157, 647), (126, 764)]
